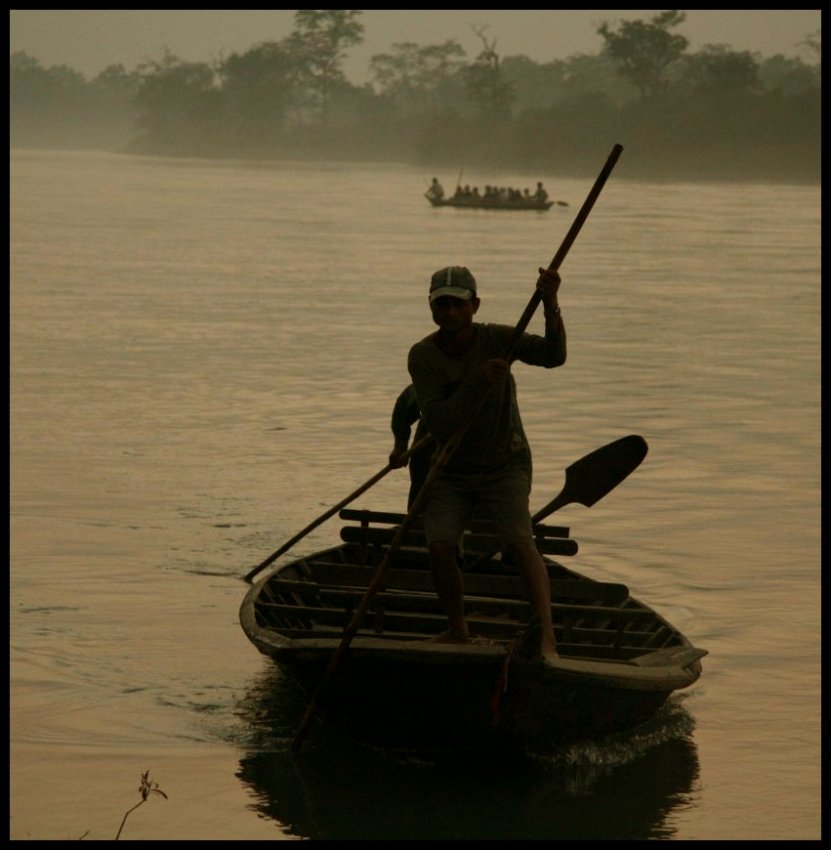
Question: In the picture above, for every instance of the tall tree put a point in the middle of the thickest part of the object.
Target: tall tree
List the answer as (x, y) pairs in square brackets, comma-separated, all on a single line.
[(48, 107), (813, 45), (413, 76), (319, 45), (645, 50), (788, 75), (178, 105), (258, 90), (486, 83), (715, 69)]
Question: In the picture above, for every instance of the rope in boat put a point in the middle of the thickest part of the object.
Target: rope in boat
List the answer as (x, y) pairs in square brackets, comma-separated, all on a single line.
[(501, 685)]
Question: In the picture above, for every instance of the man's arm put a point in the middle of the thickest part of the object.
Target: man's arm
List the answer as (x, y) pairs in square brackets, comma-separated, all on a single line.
[(548, 351), (404, 413)]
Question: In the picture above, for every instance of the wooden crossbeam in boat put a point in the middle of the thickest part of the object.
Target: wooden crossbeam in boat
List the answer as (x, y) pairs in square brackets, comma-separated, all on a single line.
[(398, 624), (347, 598), (384, 517), (478, 526), (548, 544), (587, 643), (478, 584)]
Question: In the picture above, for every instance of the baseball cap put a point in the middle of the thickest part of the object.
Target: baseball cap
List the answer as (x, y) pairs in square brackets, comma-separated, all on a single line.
[(452, 281)]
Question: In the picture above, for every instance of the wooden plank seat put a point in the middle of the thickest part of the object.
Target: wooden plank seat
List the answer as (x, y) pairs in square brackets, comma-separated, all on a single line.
[(425, 623), (549, 540), (322, 572), (414, 624), (344, 598), (365, 517), (587, 614)]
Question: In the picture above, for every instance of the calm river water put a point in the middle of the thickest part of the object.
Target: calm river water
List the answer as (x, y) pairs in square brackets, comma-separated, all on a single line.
[(204, 357)]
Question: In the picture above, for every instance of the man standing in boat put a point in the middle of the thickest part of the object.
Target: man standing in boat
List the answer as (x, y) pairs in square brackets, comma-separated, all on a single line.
[(455, 369), (436, 190)]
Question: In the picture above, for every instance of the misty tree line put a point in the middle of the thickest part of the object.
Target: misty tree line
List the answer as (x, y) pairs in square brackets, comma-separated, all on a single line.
[(715, 113)]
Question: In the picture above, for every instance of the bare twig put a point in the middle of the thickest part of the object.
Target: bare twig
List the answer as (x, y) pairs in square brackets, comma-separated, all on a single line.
[(146, 788)]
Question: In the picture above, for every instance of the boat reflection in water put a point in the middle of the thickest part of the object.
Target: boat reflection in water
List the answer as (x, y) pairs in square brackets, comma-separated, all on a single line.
[(626, 787)]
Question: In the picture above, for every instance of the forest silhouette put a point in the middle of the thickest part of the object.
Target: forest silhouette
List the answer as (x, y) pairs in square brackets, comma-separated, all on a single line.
[(713, 114)]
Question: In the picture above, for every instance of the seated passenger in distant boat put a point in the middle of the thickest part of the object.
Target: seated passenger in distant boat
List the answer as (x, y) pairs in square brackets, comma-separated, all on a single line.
[(540, 195)]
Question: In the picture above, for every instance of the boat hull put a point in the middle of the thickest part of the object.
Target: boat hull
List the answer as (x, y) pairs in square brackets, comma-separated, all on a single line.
[(397, 689), (444, 708), (467, 204)]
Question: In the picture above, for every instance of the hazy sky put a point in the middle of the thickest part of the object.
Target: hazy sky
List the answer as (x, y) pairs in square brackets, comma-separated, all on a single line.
[(90, 40)]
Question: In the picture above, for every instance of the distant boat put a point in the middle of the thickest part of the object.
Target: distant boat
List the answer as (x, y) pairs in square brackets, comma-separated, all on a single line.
[(494, 204)]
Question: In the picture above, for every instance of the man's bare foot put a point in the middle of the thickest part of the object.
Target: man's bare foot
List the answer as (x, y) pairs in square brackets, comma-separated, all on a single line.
[(550, 654), (450, 636), (535, 645)]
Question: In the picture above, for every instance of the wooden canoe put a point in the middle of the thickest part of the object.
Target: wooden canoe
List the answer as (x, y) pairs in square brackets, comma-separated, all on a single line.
[(619, 660), (488, 204)]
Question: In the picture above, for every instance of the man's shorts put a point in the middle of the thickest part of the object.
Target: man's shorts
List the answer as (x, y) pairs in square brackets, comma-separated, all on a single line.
[(502, 496)]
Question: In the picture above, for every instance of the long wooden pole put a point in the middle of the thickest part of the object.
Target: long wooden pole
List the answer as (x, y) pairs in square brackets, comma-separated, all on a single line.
[(568, 241), (443, 457)]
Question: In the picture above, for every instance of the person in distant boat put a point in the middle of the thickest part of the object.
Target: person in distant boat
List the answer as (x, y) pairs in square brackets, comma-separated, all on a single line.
[(464, 370), (540, 195), (405, 414), (436, 190)]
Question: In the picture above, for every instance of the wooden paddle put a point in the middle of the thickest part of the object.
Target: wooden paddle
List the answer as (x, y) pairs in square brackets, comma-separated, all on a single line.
[(593, 476), (445, 454), (589, 479), (333, 510)]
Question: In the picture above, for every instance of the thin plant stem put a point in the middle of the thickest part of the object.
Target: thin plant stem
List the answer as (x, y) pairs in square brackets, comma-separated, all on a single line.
[(147, 787), (125, 818)]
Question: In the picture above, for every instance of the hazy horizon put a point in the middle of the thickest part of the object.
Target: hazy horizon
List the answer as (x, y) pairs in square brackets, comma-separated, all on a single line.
[(90, 40)]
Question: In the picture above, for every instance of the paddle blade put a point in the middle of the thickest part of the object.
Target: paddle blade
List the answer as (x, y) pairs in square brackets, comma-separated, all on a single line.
[(594, 475)]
